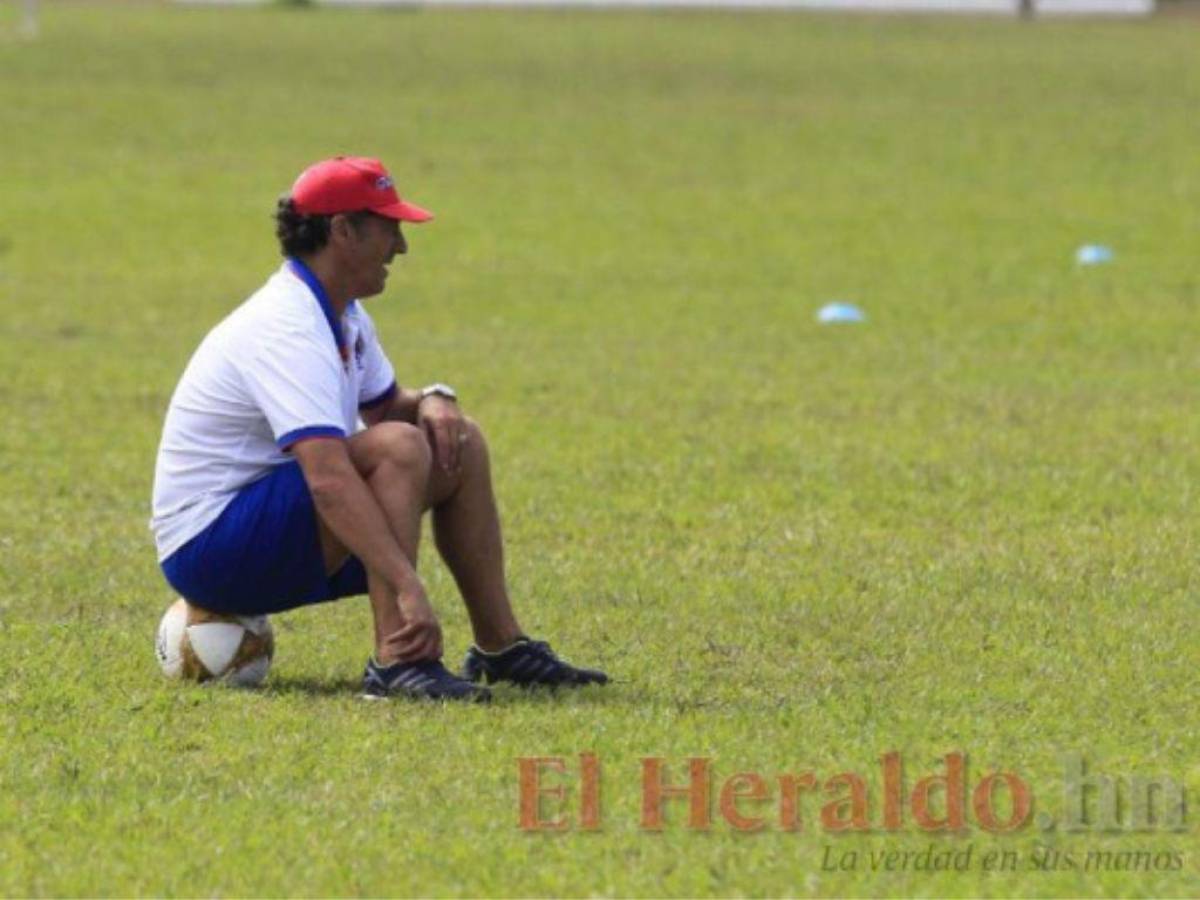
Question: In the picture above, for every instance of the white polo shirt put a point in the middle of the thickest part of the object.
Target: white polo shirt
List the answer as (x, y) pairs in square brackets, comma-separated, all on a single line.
[(267, 376)]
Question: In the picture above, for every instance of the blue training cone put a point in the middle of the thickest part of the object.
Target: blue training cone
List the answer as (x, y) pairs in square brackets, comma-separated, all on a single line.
[(1093, 255), (840, 312)]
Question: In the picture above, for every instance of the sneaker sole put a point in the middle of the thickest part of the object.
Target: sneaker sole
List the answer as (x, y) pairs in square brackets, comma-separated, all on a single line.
[(417, 698)]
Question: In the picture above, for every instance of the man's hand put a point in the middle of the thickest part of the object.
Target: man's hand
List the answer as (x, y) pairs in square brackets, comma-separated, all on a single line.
[(421, 636), (445, 427)]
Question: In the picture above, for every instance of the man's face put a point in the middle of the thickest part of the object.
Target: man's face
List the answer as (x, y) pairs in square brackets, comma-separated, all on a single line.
[(371, 243)]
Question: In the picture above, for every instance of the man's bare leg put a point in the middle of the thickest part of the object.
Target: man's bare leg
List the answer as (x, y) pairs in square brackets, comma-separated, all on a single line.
[(393, 459), (466, 528)]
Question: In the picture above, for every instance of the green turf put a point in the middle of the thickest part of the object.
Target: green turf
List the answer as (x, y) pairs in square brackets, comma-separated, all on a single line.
[(968, 524)]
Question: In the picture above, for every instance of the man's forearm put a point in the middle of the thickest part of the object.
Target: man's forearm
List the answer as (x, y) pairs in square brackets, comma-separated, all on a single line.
[(352, 513)]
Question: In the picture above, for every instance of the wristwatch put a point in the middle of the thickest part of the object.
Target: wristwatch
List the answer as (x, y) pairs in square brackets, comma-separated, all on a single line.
[(442, 390)]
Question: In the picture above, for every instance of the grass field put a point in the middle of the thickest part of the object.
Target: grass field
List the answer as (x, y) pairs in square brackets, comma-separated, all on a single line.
[(967, 525)]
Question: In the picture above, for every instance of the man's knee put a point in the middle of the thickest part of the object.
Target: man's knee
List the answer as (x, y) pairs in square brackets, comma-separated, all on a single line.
[(473, 432), (396, 444), (474, 450), (472, 465)]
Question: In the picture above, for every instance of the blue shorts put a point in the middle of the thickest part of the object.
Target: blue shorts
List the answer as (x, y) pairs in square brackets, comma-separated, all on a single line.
[(262, 554)]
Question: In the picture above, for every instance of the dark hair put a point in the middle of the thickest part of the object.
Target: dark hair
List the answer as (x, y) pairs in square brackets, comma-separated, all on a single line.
[(301, 235)]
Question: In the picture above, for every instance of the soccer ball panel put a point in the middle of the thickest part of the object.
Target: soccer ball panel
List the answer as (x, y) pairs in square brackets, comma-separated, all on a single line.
[(252, 674), (215, 644), (259, 625), (168, 644)]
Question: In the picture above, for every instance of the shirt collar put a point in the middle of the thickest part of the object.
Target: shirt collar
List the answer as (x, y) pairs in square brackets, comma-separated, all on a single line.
[(305, 274)]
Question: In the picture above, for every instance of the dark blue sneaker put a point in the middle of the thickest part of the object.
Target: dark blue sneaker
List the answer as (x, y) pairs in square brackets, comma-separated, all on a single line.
[(427, 679), (527, 663)]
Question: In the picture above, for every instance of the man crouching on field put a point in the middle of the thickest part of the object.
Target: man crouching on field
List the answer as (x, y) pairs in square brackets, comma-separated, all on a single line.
[(266, 498)]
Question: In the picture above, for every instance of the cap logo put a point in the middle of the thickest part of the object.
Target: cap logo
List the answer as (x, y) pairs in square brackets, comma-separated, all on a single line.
[(382, 183)]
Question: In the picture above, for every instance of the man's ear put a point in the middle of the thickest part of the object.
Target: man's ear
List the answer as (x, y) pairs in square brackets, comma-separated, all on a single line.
[(341, 229)]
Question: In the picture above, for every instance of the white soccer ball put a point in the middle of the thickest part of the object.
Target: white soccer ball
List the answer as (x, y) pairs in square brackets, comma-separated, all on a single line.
[(201, 646)]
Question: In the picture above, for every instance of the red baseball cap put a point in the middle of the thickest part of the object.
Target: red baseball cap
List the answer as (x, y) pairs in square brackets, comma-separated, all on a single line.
[(351, 183)]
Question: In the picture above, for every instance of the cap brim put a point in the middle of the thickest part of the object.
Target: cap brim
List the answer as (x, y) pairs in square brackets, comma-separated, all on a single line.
[(404, 212)]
